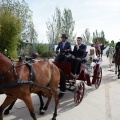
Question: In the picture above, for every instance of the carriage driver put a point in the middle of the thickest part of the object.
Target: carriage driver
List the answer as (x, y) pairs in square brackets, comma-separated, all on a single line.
[(65, 49), (77, 55)]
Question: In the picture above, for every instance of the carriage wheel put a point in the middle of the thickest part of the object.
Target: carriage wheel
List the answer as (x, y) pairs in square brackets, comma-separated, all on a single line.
[(98, 78), (79, 93)]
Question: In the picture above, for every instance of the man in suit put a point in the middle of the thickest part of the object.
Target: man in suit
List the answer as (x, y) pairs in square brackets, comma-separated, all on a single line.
[(65, 48), (77, 55)]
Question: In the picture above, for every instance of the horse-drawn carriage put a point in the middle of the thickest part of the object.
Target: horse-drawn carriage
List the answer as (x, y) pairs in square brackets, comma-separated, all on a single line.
[(90, 74), (44, 77)]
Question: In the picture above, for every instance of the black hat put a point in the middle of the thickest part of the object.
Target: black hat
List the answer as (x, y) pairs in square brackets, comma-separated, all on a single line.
[(64, 36)]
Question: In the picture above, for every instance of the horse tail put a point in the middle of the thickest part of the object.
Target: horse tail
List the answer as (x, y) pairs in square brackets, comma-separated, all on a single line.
[(62, 83)]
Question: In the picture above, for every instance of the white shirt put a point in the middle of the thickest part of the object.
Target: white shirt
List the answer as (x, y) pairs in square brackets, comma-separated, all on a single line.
[(63, 44), (78, 46)]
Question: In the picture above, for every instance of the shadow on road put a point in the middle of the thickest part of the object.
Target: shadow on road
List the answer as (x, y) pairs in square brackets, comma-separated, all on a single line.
[(20, 111)]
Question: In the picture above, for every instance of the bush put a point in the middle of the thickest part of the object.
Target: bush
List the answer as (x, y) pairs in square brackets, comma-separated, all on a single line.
[(47, 54), (10, 29), (44, 50), (40, 48)]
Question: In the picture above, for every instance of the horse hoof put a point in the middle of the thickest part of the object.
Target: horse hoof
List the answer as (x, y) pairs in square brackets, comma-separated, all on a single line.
[(42, 112), (53, 118), (44, 109), (6, 112)]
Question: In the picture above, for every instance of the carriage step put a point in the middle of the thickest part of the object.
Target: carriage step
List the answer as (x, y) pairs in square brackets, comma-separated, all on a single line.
[(70, 88)]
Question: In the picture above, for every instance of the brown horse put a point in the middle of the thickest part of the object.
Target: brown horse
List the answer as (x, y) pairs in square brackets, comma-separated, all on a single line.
[(46, 74), (117, 61)]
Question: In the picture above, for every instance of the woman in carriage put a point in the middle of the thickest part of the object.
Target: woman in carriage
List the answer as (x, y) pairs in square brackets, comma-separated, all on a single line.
[(91, 55)]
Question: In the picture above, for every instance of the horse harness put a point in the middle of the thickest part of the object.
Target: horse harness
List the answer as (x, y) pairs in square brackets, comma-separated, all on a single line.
[(19, 82), (31, 82)]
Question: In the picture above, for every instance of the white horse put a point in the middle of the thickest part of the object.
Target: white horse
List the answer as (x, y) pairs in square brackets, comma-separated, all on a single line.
[(110, 55)]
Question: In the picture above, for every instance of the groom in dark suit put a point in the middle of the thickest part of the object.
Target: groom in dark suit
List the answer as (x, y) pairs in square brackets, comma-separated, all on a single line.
[(77, 55), (65, 49)]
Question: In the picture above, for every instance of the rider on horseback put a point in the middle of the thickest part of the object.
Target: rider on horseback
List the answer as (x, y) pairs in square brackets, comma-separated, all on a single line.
[(111, 45), (97, 46)]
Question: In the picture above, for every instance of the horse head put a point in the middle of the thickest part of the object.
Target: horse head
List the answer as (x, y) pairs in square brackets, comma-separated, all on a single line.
[(117, 55), (118, 48)]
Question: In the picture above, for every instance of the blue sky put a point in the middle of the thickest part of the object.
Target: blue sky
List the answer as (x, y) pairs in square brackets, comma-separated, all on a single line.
[(93, 14)]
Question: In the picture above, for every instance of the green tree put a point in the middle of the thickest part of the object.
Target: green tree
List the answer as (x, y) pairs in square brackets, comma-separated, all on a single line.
[(54, 27), (61, 23), (68, 25), (100, 36), (86, 37), (21, 9), (10, 29)]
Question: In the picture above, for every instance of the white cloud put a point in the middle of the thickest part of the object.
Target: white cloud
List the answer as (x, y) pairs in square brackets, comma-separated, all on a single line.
[(93, 14)]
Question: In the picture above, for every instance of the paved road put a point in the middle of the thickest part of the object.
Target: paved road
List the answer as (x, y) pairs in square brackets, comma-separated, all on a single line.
[(100, 104)]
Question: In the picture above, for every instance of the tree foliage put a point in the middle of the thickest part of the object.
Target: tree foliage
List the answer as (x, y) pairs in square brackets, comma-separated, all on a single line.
[(10, 29), (54, 27), (44, 50), (86, 37), (21, 9), (62, 23), (100, 36), (68, 25)]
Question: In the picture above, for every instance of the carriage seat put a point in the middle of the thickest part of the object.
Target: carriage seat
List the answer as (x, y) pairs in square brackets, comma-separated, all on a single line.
[(64, 66)]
